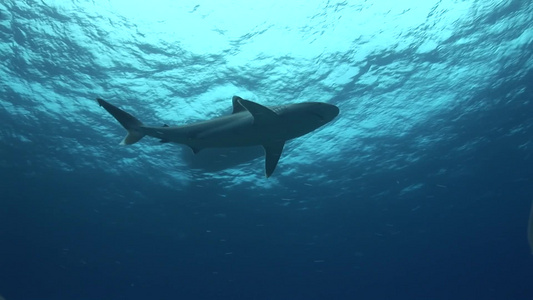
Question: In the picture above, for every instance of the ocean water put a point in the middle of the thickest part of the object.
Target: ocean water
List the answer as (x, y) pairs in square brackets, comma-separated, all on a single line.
[(420, 189)]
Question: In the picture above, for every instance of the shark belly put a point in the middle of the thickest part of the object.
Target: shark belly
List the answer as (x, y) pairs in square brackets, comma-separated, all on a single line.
[(239, 134), (236, 130)]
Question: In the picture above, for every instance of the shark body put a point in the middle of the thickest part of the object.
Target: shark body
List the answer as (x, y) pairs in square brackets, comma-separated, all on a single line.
[(250, 124)]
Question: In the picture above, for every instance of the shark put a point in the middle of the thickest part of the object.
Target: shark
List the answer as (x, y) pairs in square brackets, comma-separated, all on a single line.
[(249, 124)]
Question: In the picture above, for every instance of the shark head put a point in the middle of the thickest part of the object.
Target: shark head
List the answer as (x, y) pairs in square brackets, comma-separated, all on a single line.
[(307, 116), (321, 113)]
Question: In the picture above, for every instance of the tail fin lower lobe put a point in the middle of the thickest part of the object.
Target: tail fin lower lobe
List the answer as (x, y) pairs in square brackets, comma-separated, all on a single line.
[(129, 122)]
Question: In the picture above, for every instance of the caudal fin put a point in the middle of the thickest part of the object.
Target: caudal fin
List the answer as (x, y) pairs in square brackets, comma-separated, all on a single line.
[(129, 122)]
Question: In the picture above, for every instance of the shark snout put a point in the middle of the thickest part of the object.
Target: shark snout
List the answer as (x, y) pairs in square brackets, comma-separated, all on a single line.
[(326, 111), (333, 111)]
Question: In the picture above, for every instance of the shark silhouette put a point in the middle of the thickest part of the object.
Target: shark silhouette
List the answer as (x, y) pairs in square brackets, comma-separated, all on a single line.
[(250, 124)]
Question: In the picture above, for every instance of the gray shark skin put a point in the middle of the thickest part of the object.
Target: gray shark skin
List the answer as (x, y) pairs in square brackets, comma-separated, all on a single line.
[(250, 124)]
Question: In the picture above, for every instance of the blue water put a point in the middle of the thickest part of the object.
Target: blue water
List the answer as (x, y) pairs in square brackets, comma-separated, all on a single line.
[(419, 189)]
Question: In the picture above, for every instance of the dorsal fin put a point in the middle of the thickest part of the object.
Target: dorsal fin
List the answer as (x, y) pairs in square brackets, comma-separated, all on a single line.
[(259, 112), (237, 107)]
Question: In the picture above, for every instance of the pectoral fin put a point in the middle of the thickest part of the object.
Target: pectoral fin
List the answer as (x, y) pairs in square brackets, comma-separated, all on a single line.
[(272, 155), (195, 150)]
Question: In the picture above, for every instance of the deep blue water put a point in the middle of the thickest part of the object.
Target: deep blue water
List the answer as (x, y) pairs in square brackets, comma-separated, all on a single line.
[(420, 189)]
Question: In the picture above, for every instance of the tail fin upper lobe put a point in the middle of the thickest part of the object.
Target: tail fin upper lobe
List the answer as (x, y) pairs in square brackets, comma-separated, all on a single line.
[(129, 122)]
